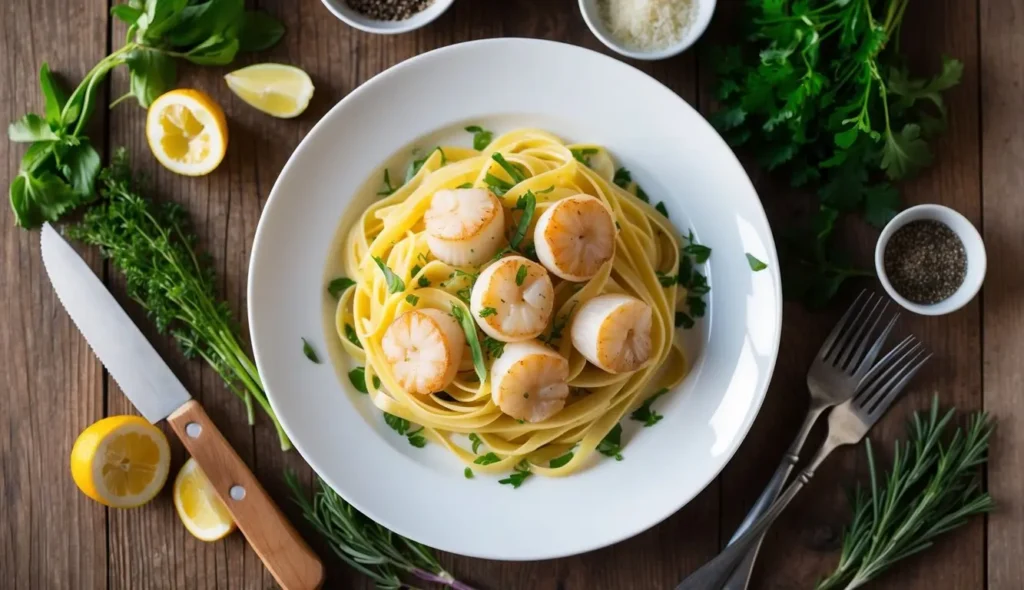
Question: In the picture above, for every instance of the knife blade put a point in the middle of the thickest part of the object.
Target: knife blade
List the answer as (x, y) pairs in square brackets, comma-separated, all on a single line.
[(157, 393)]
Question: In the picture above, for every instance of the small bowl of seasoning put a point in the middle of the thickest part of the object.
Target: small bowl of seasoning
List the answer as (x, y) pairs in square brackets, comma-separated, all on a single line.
[(931, 259), (647, 29), (387, 17)]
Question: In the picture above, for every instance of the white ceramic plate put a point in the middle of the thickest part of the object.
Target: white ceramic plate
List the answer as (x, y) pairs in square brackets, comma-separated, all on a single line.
[(582, 96)]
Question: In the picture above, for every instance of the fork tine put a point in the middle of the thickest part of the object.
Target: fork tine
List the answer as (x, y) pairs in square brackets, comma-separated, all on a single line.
[(895, 386), (875, 387), (826, 347), (850, 360), (885, 362), (867, 361)]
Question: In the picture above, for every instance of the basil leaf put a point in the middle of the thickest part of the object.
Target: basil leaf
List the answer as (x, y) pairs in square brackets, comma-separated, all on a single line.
[(351, 336), (199, 21), (126, 13), (487, 459), (481, 137), (82, 164), (30, 128), (513, 172), (560, 461), (338, 285), (53, 97), (259, 31), (159, 17), (755, 264), (395, 284), (151, 74), (358, 378), (309, 352), (44, 197), (217, 50)]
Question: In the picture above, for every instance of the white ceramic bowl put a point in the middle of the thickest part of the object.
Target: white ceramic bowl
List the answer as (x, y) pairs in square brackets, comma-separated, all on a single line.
[(973, 245), (340, 9), (704, 9)]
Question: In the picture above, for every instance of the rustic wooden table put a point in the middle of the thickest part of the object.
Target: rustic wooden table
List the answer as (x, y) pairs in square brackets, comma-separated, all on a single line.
[(51, 386)]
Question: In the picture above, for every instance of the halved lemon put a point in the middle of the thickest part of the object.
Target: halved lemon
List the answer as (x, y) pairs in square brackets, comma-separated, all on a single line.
[(200, 508), (276, 89), (121, 461), (187, 132)]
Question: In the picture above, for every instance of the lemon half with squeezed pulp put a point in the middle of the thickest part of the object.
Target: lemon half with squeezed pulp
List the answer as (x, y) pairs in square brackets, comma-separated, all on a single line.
[(121, 461), (276, 89), (187, 132)]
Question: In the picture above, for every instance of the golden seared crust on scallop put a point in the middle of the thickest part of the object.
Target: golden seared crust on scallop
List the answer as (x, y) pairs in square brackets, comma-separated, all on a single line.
[(424, 348), (613, 332), (465, 226), (529, 381), (512, 300), (575, 236)]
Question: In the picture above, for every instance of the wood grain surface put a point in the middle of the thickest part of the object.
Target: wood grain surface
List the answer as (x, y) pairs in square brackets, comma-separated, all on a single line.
[(51, 386)]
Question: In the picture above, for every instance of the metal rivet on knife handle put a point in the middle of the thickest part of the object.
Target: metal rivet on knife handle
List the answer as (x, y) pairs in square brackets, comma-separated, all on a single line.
[(237, 492), (193, 429)]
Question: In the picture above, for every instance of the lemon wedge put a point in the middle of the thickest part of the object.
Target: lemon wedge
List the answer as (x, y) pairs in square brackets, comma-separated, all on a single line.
[(121, 461), (187, 132), (200, 508), (276, 89)]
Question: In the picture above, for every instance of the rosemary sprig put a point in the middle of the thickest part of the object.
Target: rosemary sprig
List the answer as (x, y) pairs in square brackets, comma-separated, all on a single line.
[(368, 547), (933, 487)]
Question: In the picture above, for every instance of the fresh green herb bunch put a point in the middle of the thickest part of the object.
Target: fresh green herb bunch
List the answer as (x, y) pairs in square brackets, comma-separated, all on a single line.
[(934, 486), (58, 172), (154, 247), (820, 91), (369, 548)]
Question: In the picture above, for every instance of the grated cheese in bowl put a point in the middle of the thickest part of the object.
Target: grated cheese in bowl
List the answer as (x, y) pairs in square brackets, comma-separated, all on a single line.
[(647, 25)]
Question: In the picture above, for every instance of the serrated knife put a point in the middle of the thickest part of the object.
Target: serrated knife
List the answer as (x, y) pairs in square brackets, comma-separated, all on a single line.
[(154, 390)]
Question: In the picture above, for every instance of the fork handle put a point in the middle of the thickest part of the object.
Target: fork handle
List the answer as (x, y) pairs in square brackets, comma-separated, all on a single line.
[(740, 577), (713, 574)]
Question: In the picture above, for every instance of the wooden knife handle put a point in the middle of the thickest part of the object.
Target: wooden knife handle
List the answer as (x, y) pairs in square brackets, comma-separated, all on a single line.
[(292, 563)]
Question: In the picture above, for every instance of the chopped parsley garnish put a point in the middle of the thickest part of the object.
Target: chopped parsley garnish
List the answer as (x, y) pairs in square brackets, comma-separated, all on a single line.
[(487, 459), (464, 294), (481, 137), (697, 306), (582, 155), (415, 165), (622, 178), (661, 208), (645, 413), (309, 352), (755, 264), (399, 425), (469, 327), (497, 185), (417, 439), (337, 286), (527, 204), (358, 378), (350, 334), (388, 190), (666, 280), (487, 311), (475, 439), (640, 194), (415, 270), (519, 474), (611, 444), (412, 299), (699, 252), (465, 185), (512, 170), (683, 320), (559, 461), (467, 473), (494, 347), (423, 282), (547, 190), (557, 326), (395, 284), (521, 275), (472, 276)]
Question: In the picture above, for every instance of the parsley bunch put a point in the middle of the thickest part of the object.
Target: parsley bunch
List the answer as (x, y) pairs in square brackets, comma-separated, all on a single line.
[(820, 92), (58, 171), (154, 248)]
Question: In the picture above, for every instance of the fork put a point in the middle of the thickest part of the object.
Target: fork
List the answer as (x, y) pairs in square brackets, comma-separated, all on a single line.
[(835, 373), (847, 424)]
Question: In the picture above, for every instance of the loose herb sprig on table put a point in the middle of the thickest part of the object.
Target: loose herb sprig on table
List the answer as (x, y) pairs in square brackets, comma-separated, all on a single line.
[(369, 548), (820, 91), (58, 172), (933, 486), (154, 248)]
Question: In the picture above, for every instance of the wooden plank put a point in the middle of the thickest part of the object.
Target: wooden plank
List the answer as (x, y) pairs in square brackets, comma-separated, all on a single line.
[(1002, 151), (51, 385), (803, 545)]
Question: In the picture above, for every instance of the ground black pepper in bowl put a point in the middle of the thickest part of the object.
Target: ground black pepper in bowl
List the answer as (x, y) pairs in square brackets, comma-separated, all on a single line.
[(388, 9), (925, 261)]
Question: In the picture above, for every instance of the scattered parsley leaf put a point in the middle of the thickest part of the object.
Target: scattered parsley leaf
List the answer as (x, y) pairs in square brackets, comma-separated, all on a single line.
[(519, 474), (666, 280), (645, 413), (700, 253), (350, 334), (417, 439), (498, 186), (388, 190), (560, 461), (558, 326), (467, 472), (683, 321), (547, 190), (622, 178), (611, 444), (521, 275), (469, 327), (640, 194), (487, 459), (337, 286), (465, 185), (475, 439), (487, 311), (513, 171), (481, 137), (309, 352), (527, 204), (661, 208), (423, 282), (399, 425), (358, 378), (494, 347), (395, 284), (755, 264), (412, 299), (582, 155)]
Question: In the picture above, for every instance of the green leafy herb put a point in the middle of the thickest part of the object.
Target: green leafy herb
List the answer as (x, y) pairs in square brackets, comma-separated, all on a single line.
[(611, 444), (307, 350), (527, 203), (423, 282), (547, 190), (521, 275), (699, 252), (467, 472), (417, 439), (388, 190), (560, 461), (59, 170), (475, 439), (645, 413), (640, 194), (933, 486), (399, 425), (338, 285), (464, 294), (152, 247), (558, 326), (465, 185), (395, 284), (695, 283), (513, 171), (666, 280), (755, 264), (820, 92), (412, 299), (487, 311), (481, 137), (417, 163), (366, 546), (494, 347), (350, 334), (497, 185), (622, 178), (661, 208), (582, 155), (487, 459), (469, 327), (358, 378), (519, 474), (683, 320)]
